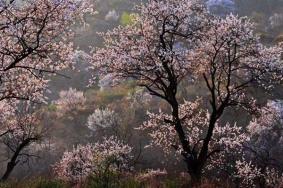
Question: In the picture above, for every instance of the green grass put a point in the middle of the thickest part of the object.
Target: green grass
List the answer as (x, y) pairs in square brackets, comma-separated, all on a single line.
[(113, 181), (35, 183)]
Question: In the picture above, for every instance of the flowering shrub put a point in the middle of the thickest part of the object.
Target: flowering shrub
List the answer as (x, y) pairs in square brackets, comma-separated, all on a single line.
[(106, 81), (76, 165), (112, 15), (247, 172), (110, 155), (276, 20)]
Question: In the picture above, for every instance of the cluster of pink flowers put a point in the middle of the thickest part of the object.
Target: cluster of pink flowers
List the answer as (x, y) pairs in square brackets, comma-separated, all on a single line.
[(17, 124), (247, 172), (251, 175), (160, 129), (76, 165)]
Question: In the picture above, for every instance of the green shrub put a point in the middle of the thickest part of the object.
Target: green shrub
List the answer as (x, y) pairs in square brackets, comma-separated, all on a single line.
[(106, 180), (52, 107), (127, 18)]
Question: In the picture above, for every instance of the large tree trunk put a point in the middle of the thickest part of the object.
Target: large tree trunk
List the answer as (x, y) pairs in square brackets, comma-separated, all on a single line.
[(195, 171), (195, 179), (194, 166), (10, 166)]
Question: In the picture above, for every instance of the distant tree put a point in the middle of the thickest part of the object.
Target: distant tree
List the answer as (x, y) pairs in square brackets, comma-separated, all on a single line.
[(102, 118), (70, 100), (106, 122), (175, 40)]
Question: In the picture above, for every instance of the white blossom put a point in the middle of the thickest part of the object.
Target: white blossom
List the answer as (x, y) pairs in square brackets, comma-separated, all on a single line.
[(101, 118), (112, 15)]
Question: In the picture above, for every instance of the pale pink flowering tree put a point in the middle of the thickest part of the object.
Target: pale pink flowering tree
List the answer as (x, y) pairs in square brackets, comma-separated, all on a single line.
[(275, 20), (110, 155), (230, 59), (6, 111), (154, 50), (150, 42), (70, 100), (20, 130), (140, 97), (35, 38), (173, 40)]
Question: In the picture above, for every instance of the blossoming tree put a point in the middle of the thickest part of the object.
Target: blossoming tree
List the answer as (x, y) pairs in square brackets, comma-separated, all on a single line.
[(35, 38), (102, 118), (175, 40)]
